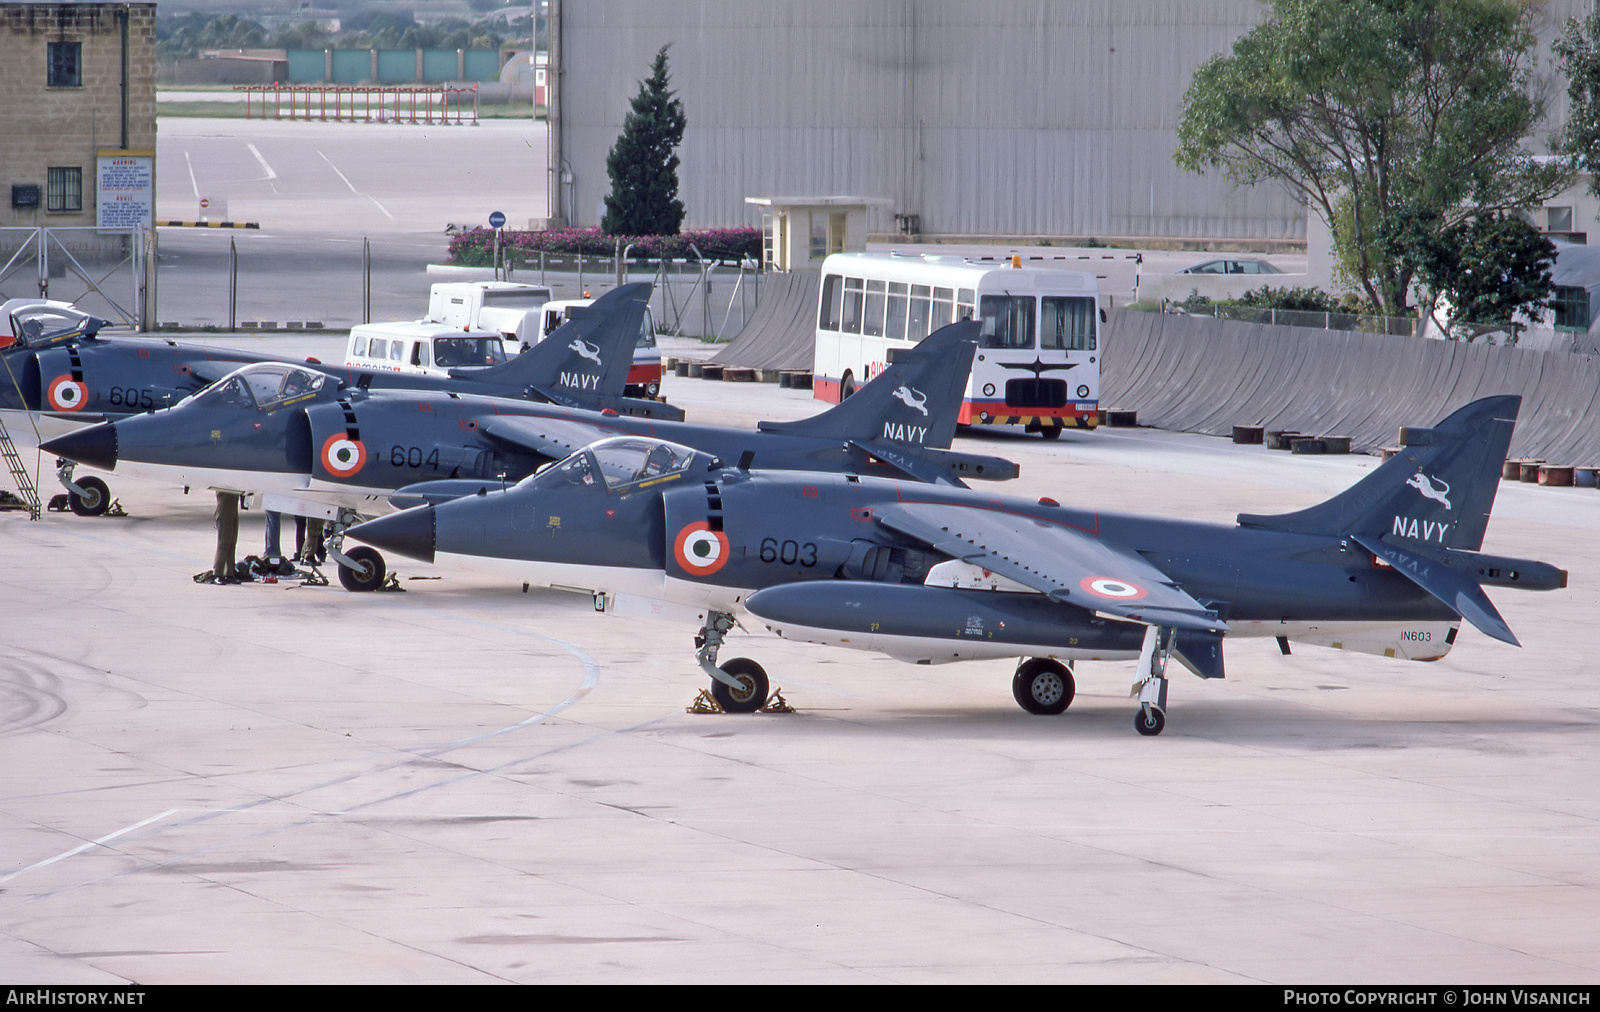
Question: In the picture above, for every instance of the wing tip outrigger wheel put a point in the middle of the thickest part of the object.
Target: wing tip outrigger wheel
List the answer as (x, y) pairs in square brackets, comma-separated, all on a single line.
[(1151, 688), (1150, 720)]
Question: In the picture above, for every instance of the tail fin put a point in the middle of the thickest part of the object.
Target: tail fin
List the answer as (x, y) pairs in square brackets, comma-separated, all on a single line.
[(1435, 493), (589, 355), (912, 404)]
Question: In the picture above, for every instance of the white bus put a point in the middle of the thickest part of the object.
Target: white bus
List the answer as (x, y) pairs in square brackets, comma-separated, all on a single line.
[(1038, 361)]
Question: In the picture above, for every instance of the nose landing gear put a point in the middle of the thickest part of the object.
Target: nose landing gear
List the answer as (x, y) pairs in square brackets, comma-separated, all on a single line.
[(739, 685), (87, 496)]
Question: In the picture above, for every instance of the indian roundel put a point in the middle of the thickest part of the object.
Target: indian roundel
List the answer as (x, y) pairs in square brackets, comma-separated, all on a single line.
[(700, 550), (343, 456)]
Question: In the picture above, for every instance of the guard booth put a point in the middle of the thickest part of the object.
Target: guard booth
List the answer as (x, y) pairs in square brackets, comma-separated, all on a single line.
[(798, 233)]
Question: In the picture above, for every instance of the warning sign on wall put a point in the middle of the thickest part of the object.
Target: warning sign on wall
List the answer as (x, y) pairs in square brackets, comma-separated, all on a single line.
[(125, 190)]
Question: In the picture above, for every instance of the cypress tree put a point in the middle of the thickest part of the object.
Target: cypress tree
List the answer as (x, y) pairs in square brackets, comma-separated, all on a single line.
[(643, 164)]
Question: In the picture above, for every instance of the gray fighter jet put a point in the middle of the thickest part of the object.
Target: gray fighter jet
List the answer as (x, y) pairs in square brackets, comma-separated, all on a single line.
[(285, 430), (58, 369), (933, 574)]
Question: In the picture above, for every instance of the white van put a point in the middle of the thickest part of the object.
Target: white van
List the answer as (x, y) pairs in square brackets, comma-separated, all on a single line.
[(509, 307), (422, 346)]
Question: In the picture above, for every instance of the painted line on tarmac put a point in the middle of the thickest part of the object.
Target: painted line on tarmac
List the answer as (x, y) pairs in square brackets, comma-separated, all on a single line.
[(311, 817), (88, 846), (591, 678), (353, 190), (271, 175)]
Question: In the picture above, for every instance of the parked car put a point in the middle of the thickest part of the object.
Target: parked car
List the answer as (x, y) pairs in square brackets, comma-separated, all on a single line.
[(1231, 266)]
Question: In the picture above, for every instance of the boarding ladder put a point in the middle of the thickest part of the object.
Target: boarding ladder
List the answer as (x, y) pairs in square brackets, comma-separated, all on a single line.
[(19, 473)]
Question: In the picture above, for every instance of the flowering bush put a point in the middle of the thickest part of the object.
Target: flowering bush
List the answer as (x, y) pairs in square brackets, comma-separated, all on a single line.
[(476, 247)]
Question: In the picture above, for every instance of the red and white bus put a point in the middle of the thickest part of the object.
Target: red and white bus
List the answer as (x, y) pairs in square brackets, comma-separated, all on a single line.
[(1038, 361)]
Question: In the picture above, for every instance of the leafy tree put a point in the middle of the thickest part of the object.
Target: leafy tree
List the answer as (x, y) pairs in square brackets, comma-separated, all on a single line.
[(1383, 115), (183, 37), (374, 21), (1578, 51), (1313, 300), (1487, 270), (305, 35), (643, 164)]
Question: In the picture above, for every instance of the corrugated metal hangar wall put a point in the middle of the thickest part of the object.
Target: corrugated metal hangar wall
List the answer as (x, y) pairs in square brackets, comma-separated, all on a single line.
[(1000, 118)]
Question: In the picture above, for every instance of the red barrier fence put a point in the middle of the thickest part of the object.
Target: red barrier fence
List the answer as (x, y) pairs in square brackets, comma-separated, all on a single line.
[(361, 103)]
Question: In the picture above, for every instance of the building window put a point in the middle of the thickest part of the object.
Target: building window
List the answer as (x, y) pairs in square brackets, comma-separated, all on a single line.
[(66, 64), (819, 236), (1571, 306), (827, 234), (65, 189)]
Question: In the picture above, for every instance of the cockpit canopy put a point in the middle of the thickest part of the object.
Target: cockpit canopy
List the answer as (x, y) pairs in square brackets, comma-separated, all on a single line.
[(623, 465), (36, 324), (264, 386)]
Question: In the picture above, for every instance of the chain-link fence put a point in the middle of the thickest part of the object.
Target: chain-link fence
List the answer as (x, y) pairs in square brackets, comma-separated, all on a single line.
[(1403, 326), (692, 298), (209, 284), (100, 273)]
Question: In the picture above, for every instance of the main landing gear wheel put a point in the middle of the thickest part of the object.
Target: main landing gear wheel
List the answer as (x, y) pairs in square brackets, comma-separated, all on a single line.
[(1149, 721), (369, 576), (94, 501), (1043, 687), (752, 693)]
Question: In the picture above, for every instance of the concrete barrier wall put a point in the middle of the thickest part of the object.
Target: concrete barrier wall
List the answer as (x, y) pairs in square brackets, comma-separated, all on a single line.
[(1198, 374)]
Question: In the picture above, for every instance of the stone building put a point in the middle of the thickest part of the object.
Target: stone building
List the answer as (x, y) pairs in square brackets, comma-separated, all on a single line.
[(77, 83)]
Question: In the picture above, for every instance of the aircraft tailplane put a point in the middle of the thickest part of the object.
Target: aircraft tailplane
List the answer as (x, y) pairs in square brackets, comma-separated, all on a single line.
[(1435, 493), (913, 402), (589, 354)]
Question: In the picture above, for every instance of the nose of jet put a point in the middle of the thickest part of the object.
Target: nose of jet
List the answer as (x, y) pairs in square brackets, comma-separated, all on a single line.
[(408, 533), (94, 445)]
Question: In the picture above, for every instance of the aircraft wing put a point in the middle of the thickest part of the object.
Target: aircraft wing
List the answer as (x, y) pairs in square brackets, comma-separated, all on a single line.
[(1058, 561), (549, 437)]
